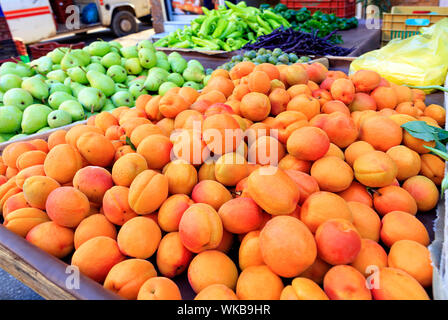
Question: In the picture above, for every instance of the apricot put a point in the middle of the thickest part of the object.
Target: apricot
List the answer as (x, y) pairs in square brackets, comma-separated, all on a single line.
[(308, 143), (171, 211), (356, 149), (30, 158), (116, 206), (370, 258), (93, 226), (129, 125), (316, 271), (303, 289), (52, 238), (127, 277), (12, 152), (343, 90), (344, 282), (335, 151), (172, 257), (216, 292), (220, 83), (96, 257), (212, 267), (408, 161), (241, 69), (139, 237), (148, 191), (396, 284), (255, 106), (306, 104), (67, 206), (259, 283), (335, 106), (365, 80), (22, 220), (221, 133), (240, 215), (298, 249), (212, 193), (200, 228), (424, 191), (381, 132), (385, 97), (55, 138), (296, 74), (62, 163), (297, 89), (409, 108), (413, 258), (14, 202), (159, 288), (432, 167), (127, 167), (338, 241), (340, 128), (399, 225), (436, 112), (36, 190), (230, 168), (394, 198), (279, 99), (416, 144), (266, 150), (182, 177), (93, 182), (365, 220), (96, 149), (403, 93), (73, 134), (159, 142), (332, 174), (37, 170), (375, 169), (307, 184), (292, 163)]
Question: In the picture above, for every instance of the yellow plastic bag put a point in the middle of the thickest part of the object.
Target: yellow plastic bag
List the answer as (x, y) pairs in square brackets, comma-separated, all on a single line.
[(421, 60)]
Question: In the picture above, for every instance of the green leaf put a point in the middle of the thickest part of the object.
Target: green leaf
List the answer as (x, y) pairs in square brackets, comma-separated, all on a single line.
[(444, 186), (423, 131), (128, 142), (440, 153)]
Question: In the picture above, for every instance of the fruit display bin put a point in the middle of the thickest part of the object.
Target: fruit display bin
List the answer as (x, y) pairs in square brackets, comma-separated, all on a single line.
[(50, 277), (41, 49), (342, 8)]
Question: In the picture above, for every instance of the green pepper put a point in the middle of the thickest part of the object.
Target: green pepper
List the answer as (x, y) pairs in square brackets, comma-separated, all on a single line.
[(236, 34), (264, 6), (207, 26), (183, 44), (205, 44), (161, 43), (280, 7), (270, 15), (223, 45), (205, 11), (274, 24), (220, 28), (264, 24), (251, 36)]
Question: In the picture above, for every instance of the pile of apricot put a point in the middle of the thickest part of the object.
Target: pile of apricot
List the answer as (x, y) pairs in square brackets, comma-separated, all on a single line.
[(306, 172)]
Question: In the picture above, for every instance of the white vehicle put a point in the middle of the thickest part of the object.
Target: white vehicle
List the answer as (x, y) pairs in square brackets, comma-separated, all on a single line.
[(33, 20)]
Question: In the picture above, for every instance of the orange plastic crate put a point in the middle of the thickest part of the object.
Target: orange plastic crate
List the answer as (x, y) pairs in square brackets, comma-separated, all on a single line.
[(341, 8)]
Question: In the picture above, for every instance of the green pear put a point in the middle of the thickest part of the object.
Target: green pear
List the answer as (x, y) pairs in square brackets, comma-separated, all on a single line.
[(196, 63), (115, 50), (173, 56), (92, 99), (129, 79), (96, 67), (57, 54), (115, 44), (18, 136), (76, 88), (58, 118), (68, 82), (176, 78), (10, 119), (144, 73), (206, 79), (164, 87), (59, 97), (178, 65), (56, 67), (18, 97), (7, 136), (161, 55), (74, 108), (137, 89), (159, 71), (193, 85), (129, 52), (19, 69), (59, 87), (44, 129), (69, 61), (58, 75), (83, 57), (38, 88), (133, 66), (121, 87), (193, 73), (101, 82), (99, 48), (111, 59), (117, 73), (147, 58), (95, 59), (78, 74), (146, 44), (163, 64), (35, 118), (43, 64), (51, 82), (153, 82), (108, 107), (123, 98), (10, 81)]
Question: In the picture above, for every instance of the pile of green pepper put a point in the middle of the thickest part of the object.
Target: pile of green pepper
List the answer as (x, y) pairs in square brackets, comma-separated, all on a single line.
[(225, 28), (303, 20)]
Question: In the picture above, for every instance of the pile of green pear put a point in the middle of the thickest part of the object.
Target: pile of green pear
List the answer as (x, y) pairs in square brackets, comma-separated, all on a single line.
[(68, 85)]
